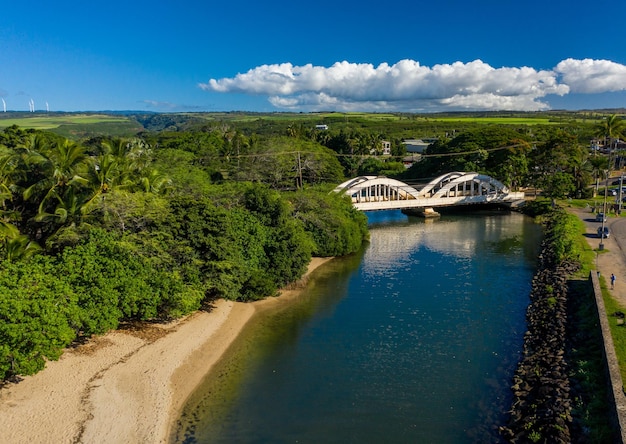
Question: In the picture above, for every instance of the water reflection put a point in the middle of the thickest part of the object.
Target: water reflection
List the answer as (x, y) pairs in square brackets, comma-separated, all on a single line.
[(415, 340)]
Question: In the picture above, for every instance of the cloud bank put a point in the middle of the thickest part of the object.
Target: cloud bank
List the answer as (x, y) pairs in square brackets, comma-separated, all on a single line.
[(409, 86)]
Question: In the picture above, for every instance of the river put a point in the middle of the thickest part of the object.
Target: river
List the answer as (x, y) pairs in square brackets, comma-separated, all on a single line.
[(413, 340)]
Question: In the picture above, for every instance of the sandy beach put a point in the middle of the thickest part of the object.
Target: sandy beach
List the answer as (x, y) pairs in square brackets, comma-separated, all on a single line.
[(127, 386)]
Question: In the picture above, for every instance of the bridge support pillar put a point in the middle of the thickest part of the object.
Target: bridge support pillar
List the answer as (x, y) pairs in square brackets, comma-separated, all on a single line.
[(425, 212)]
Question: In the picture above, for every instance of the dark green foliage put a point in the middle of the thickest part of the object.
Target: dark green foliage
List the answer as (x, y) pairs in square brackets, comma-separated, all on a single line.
[(38, 316), (287, 163), (120, 241), (111, 281), (289, 252), (493, 150), (563, 234), (336, 227), (561, 167), (115, 282), (267, 204), (537, 207), (245, 252), (372, 166)]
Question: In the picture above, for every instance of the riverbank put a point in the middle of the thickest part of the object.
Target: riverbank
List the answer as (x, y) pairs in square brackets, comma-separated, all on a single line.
[(127, 386)]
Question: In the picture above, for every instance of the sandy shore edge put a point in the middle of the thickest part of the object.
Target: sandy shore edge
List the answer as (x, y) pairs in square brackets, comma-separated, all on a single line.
[(126, 386)]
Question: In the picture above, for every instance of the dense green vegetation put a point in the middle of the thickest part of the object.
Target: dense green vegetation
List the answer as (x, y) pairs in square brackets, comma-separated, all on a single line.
[(93, 233), (96, 229)]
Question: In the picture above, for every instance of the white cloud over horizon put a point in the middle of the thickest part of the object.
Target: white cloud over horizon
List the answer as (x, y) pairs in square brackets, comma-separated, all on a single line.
[(409, 86)]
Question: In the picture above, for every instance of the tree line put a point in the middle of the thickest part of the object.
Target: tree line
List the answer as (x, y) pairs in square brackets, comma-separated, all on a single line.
[(106, 231)]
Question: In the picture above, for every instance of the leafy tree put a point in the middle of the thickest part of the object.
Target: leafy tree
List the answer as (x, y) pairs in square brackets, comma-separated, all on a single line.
[(337, 228), (558, 185), (186, 172), (288, 248), (116, 250), (115, 282), (123, 211), (227, 246), (496, 151), (554, 165), (283, 162), (38, 316)]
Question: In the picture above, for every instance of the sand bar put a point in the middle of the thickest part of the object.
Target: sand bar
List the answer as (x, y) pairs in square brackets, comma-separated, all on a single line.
[(127, 386)]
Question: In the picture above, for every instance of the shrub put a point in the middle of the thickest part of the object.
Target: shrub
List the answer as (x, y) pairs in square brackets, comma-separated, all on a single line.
[(335, 226), (38, 316)]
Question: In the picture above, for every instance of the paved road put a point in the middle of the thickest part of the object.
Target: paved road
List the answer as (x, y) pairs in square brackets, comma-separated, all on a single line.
[(613, 258)]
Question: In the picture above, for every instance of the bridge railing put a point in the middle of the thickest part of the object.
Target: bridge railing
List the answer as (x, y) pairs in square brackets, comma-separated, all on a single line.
[(374, 204)]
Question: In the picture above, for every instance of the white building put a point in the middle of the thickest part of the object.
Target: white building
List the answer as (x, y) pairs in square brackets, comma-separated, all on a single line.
[(417, 145)]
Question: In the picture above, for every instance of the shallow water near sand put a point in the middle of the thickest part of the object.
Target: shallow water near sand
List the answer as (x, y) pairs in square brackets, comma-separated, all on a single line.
[(414, 339)]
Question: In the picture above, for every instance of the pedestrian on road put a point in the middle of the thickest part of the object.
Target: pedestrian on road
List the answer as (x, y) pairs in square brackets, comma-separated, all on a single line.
[(612, 281)]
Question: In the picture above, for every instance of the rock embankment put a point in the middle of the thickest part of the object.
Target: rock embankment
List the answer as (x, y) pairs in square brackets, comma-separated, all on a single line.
[(542, 403)]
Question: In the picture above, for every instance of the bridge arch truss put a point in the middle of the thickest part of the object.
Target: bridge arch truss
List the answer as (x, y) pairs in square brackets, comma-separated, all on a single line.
[(456, 188)]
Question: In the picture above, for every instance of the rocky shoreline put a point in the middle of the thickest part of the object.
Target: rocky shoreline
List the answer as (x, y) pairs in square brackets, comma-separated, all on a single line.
[(541, 409)]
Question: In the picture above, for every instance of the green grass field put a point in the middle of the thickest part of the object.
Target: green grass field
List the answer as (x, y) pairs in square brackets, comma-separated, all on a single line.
[(74, 126), (46, 122), (500, 120)]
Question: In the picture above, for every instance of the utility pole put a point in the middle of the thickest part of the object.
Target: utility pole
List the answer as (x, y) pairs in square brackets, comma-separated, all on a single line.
[(299, 171), (606, 193), (619, 194)]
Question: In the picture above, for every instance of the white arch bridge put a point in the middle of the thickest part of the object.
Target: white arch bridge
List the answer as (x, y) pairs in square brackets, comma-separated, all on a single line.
[(370, 193)]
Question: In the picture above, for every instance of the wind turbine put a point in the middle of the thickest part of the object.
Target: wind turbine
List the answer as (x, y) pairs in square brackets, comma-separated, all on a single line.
[(4, 105), (47, 108)]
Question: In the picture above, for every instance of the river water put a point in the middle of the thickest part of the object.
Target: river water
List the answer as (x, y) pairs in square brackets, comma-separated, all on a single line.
[(413, 340)]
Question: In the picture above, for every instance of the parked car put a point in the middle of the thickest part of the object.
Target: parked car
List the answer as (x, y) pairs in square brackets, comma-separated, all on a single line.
[(600, 217), (604, 230)]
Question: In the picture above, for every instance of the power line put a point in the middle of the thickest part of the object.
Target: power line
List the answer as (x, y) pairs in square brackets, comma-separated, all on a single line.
[(464, 153), (282, 153)]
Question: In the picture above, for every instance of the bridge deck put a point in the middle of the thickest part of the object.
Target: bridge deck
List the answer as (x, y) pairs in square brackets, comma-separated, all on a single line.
[(374, 203), (370, 193)]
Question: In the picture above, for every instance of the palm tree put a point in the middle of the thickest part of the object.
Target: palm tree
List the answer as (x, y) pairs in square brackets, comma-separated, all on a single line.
[(9, 168), (16, 246), (599, 165), (131, 156), (101, 176), (155, 182), (611, 128), (58, 167), (581, 168)]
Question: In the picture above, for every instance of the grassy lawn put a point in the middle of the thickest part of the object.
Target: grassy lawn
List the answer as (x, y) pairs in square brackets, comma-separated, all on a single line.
[(588, 259), (618, 331)]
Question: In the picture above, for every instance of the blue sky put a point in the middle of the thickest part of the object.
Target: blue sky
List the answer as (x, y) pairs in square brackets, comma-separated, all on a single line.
[(415, 56)]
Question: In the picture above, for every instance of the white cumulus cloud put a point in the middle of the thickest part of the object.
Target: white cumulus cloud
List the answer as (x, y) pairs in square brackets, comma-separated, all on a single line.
[(409, 86), (592, 76)]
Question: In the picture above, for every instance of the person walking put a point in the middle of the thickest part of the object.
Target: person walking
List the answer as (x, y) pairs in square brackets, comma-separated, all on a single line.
[(612, 281)]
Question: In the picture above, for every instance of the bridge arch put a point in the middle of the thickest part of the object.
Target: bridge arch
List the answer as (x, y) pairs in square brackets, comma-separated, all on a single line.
[(455, 188), (463, 184), (376, 189)]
